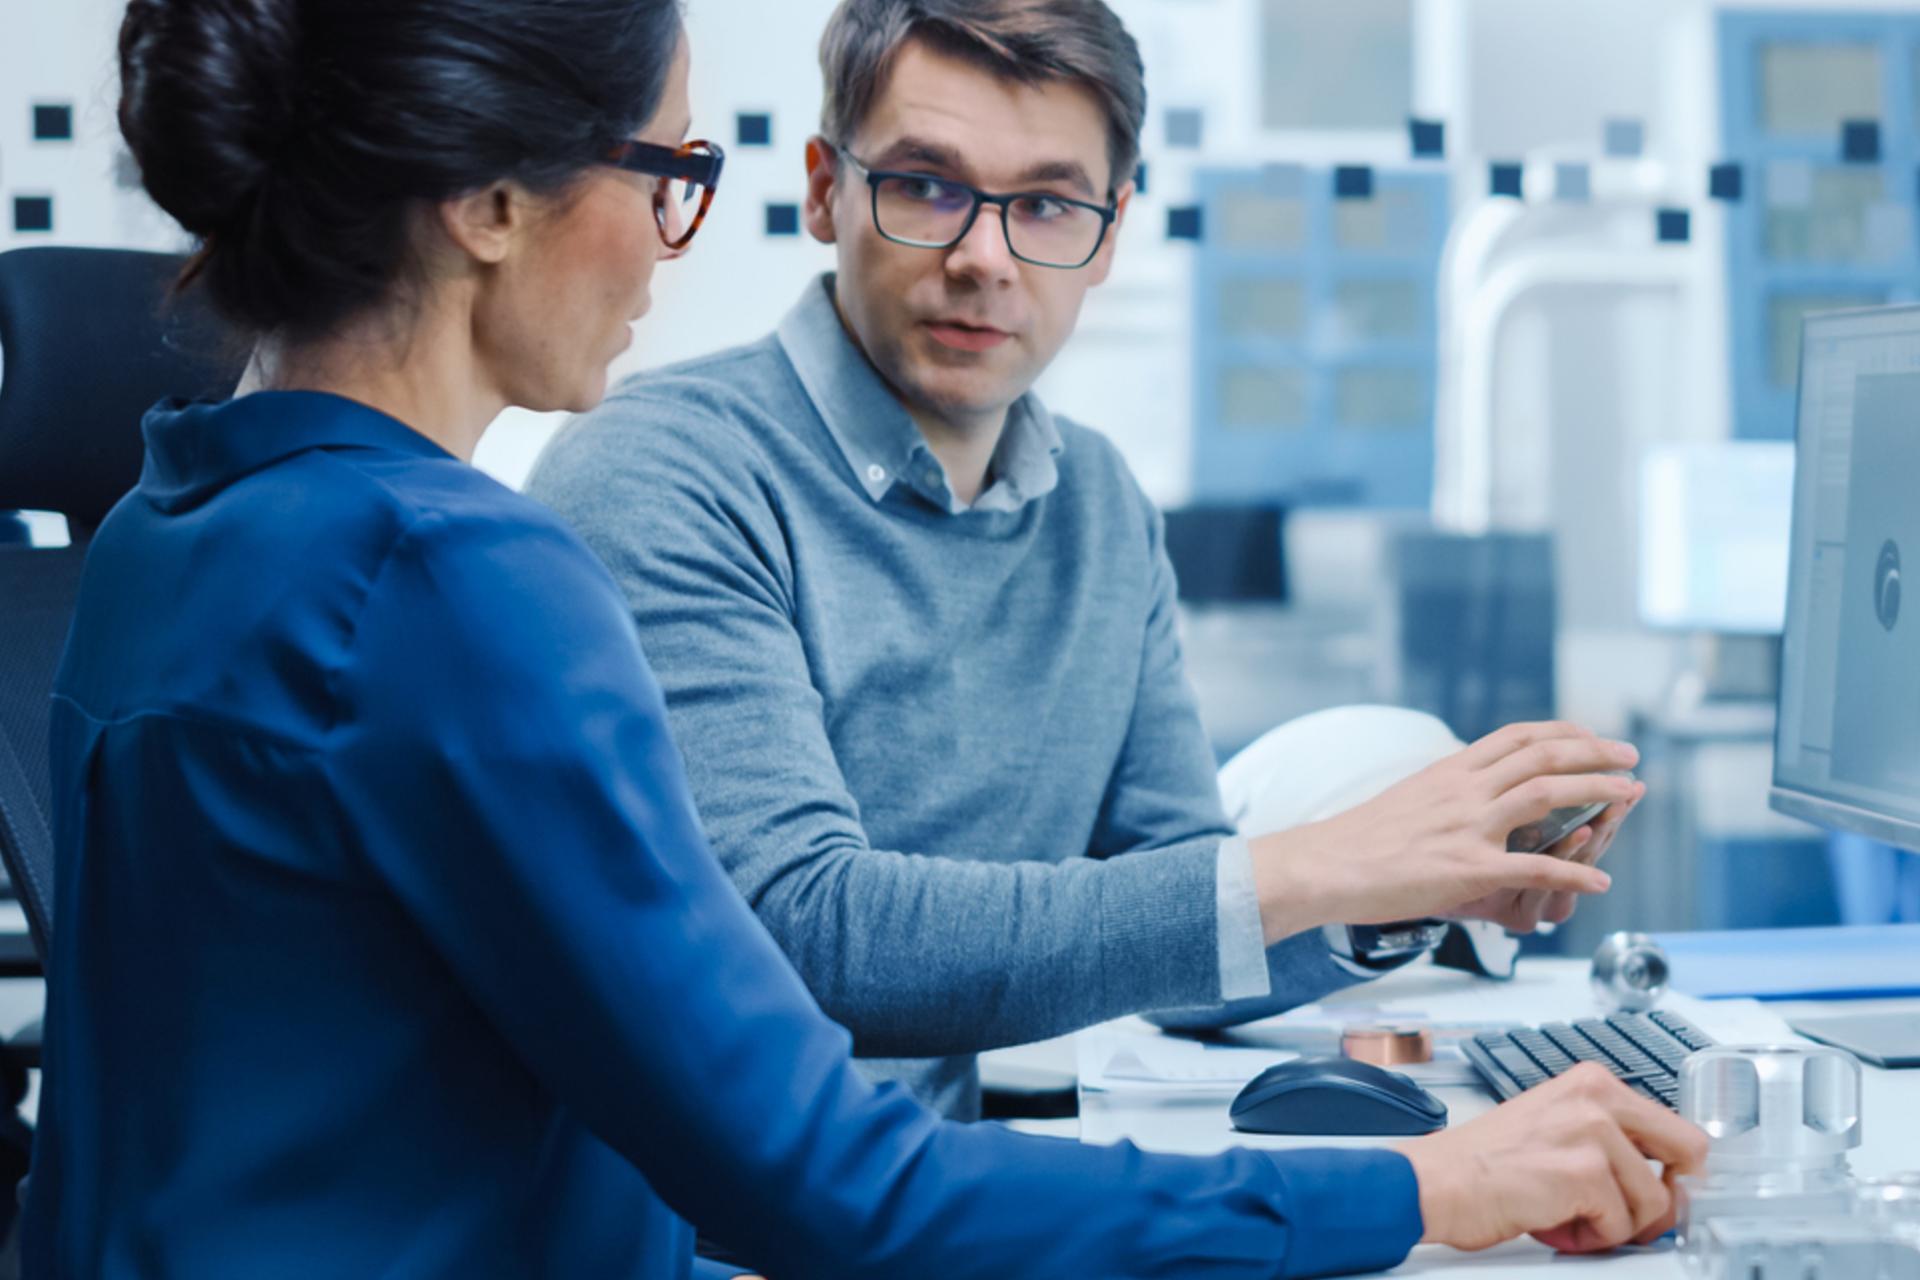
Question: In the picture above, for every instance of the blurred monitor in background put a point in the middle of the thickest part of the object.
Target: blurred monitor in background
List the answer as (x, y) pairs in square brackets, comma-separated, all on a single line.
[(1713, 536)]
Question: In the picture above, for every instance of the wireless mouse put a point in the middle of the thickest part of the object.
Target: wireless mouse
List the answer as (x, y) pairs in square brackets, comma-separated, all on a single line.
[(1335, 1096)]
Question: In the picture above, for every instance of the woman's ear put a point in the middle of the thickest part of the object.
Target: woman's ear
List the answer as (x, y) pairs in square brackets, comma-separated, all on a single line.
[(485, 223)]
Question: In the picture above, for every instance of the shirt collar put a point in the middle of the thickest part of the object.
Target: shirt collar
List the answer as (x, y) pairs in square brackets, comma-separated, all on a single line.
[(197, 448), (877, 437)]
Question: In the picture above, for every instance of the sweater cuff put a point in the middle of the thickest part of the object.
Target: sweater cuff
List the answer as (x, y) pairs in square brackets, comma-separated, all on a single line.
[(1160, 927), (1243, 943), (1350, 1210)]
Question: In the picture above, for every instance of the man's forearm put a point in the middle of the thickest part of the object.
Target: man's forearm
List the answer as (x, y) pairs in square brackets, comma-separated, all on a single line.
[(923, 957)]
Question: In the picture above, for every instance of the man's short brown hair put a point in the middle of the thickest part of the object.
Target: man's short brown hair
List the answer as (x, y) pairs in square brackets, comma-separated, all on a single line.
[(1027, 41)]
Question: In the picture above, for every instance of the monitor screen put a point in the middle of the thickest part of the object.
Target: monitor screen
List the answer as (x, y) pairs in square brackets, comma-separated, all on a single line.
[(1847, 746)]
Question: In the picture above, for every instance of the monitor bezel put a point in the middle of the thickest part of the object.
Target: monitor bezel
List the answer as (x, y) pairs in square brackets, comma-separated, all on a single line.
[(1784, 798)]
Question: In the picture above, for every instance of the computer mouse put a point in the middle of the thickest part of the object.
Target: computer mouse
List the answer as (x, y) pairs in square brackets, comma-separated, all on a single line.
[(1335, 1096)]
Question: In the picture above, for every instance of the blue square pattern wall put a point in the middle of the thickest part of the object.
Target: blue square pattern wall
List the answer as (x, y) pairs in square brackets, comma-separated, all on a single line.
[(783, 219), (52, 122), (33, 213), (753, 129), (1314, 335), (1820, 205)]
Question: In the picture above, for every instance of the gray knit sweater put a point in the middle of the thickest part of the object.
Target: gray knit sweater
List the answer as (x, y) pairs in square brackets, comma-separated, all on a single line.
[(919, 736)]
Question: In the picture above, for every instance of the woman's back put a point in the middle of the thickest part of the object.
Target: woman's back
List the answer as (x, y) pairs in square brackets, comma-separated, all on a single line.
[(294, 1063)]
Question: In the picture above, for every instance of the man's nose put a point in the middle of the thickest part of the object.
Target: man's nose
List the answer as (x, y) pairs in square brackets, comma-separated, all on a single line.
[(983, 254)]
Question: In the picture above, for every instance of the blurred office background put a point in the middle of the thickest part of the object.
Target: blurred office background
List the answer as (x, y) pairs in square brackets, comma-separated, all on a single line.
[(1458, 336)]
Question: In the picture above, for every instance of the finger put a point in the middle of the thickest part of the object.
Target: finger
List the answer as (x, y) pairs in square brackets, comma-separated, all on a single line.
[(1658, 1133), (1535, 799), (1607, 1219), (1646, 1195), (1577, 847), (1521, 871), (1559, 756), (1671, 1218), (1559, 908), (1556, 907), (1502, 743)]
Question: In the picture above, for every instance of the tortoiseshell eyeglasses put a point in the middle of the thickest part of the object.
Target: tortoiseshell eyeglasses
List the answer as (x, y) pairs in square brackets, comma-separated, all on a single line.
[(689, 175)]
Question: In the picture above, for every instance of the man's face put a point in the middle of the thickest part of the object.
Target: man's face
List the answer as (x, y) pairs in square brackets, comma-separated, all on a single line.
[(962, 333)]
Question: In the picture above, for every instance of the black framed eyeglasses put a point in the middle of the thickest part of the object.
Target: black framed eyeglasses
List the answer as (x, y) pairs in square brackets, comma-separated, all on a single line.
[(689, 177), (928, 212)]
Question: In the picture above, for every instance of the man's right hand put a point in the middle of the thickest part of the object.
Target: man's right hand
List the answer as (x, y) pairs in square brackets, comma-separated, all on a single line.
[(1436, 843), (1566, 1162)]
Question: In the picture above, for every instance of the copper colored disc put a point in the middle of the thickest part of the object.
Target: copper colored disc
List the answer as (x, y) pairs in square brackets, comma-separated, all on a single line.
[(1387, 1046)]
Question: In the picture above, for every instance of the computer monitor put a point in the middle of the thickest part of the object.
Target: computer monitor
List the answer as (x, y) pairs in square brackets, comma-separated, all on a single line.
[(1847, 744)]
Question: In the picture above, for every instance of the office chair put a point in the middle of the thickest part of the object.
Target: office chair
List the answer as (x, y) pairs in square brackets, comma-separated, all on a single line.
[(89, 341)]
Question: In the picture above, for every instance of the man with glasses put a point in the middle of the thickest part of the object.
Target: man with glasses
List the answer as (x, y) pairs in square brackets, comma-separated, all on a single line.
[(917, 633)]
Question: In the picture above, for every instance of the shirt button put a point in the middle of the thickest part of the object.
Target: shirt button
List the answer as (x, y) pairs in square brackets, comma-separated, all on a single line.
[(876, 473), (933, 478)]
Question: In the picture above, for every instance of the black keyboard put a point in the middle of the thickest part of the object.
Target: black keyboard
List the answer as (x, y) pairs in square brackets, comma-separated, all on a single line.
[(1643, 1049)]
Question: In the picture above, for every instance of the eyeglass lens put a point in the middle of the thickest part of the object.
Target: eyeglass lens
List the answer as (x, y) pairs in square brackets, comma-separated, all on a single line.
[(927, 211)]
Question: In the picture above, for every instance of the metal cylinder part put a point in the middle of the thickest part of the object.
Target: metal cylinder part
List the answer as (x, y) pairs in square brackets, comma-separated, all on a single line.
[(1630, 972), (1773, 1107), (1387, 1046)]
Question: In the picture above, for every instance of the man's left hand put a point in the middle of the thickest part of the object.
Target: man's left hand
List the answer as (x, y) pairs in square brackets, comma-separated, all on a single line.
[(1523, 910)]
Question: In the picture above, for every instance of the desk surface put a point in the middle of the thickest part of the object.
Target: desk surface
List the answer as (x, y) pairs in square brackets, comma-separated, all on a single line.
[(1543, 991)]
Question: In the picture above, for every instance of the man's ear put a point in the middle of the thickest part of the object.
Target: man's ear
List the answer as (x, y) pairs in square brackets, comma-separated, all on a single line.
[(485, 223), (1102, 264), (823, 182)]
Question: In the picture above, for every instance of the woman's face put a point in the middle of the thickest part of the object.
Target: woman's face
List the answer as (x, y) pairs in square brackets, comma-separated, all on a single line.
[(562, 309)]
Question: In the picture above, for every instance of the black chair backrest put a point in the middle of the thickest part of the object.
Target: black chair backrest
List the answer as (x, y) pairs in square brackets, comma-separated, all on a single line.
[(88, 342)]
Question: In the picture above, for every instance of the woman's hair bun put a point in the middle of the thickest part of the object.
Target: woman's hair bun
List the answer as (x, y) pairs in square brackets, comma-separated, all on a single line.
[(209, 103), (297, 139)]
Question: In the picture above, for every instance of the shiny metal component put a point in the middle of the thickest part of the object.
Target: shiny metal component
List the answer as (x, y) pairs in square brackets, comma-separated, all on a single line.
[(1387, 1046), (1630, 973), (1781, 1120), (1772, 1107)]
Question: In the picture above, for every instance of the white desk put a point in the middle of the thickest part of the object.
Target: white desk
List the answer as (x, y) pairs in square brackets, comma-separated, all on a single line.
[(1543, 991)]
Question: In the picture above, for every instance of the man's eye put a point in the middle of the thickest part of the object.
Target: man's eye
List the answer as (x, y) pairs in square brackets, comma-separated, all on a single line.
[(931, 190), (1041, 208)]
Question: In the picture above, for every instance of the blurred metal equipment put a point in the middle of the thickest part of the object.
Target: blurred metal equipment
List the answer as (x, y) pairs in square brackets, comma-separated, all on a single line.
[(1228, 554), (1470, 628), (1768, 1249), (1630, 973)]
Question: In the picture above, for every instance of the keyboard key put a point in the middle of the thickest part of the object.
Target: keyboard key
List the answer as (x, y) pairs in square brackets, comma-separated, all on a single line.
[(1617, 1047), (1682, 1030), (1517, 1064), (1575, 1045), (1552, 1059), (1660, 1045)]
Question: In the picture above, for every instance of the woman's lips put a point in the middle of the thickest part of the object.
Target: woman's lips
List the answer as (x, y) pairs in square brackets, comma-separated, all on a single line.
[(964, 337)]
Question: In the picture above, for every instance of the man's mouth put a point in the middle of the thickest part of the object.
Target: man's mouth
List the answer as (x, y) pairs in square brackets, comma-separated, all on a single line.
[(966, 337)]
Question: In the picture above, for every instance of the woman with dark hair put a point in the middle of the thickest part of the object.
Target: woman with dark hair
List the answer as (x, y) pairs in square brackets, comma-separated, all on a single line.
[(388, 941)]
